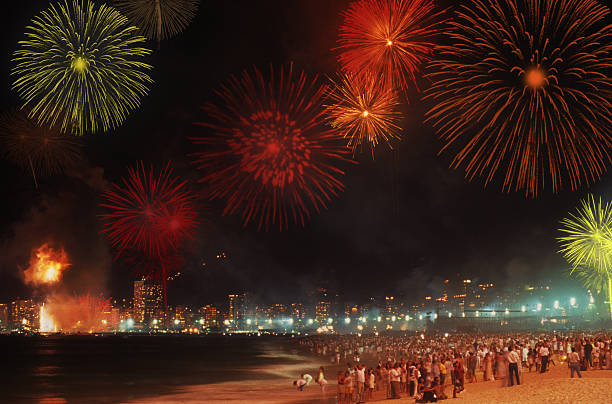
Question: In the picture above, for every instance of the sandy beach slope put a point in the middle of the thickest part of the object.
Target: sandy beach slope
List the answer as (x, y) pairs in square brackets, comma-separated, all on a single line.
[(553, 387)]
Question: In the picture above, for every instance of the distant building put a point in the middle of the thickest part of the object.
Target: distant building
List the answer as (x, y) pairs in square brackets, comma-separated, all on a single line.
[(298, 311), (390, 306), (182, 316), (25, 314), (4, 317), (210, 316), (237, 306), (148, 301)]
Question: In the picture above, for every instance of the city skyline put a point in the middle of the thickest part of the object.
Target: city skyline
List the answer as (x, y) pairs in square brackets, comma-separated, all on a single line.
[(461, 303)]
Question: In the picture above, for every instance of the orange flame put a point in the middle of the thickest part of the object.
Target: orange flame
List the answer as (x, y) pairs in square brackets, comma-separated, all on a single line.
[(46, 265), (78, 313)]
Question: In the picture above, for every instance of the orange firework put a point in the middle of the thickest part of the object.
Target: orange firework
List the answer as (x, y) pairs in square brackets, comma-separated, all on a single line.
[(524, 90), (46, 265), (364, 111), (387, 38)]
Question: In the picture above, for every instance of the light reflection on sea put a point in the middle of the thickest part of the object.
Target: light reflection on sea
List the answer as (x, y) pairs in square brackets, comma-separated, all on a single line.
[(113, 369)]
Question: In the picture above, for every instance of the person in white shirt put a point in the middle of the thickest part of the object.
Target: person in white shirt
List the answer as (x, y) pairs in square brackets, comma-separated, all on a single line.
[(395, 375), (307, 378), (544, 355), (360, 372), (513, 360), (413, 377)]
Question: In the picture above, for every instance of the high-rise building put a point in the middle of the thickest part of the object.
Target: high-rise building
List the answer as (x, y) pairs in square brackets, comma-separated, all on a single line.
[(148, 300), (25, 314), (237, 306), (139, 300), (4, 317)]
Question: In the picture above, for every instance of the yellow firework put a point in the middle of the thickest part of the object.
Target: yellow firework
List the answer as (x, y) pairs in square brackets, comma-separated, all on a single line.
[(80, 67), (587, 243)]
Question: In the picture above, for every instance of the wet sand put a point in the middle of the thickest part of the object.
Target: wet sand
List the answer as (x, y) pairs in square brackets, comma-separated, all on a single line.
[(276, 387), (554, 386)]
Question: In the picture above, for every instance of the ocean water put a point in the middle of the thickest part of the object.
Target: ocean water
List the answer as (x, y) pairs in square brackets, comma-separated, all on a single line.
[(111, 369)]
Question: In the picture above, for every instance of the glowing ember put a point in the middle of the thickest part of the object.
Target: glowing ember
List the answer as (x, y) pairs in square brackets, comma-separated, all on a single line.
[(46, 265), (79, 313), (535, 78)]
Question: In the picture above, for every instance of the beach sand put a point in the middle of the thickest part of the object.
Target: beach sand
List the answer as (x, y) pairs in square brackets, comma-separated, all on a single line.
[(554, 386)]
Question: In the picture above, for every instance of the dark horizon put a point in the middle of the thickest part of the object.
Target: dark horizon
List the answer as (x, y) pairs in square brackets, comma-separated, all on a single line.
[(396, 228)]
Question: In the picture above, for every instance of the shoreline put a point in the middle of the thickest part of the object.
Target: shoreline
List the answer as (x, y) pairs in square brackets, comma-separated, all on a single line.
[(555, 386)]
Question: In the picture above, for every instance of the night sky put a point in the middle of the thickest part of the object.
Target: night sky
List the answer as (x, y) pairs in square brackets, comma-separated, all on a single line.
[(370, 242)]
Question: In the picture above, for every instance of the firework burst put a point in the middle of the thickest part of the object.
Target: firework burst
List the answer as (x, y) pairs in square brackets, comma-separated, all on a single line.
[(388, 39), (587, 244), (159, 19), (588, 236), (524, 91), (81, 67), (39, 150), (269, 155), (150, 213), (78, 313), (364, 111)]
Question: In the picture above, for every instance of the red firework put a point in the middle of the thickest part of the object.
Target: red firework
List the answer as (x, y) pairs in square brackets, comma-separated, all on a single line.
[(389, 39), (149, 213), (269, 154)]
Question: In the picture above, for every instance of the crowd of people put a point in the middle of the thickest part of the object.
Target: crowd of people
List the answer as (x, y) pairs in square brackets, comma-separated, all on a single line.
[(433, 367)]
